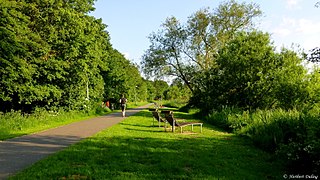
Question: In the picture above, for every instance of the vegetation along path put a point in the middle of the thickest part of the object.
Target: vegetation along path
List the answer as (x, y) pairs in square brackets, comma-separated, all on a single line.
[(135, 148), (19, 153)]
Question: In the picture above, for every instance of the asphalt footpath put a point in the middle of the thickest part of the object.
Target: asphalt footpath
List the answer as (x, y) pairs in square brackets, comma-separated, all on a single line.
[(19, 153)]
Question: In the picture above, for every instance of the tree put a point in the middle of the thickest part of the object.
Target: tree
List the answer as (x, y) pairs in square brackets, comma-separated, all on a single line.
[(122, 77), (292, 89), (151, 90), (315, 55), (185, 50), (19, 50), (178, 91), (56, 55), (251, 75), (243, 76), (160, 87)]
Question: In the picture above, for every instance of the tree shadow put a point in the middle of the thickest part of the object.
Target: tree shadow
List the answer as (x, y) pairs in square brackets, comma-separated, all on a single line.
[(141, 157)]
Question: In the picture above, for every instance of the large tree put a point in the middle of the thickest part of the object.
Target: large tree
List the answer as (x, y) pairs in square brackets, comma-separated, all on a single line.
[(122, 77), (51, 54), (20, 48), (250, 74), (183, 50)]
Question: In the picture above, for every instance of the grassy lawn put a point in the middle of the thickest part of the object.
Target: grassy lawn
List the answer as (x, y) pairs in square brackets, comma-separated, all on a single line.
[(13, 124), (134, 149)]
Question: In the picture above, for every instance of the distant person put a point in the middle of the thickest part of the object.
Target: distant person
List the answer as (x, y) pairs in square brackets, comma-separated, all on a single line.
[(123, 102)]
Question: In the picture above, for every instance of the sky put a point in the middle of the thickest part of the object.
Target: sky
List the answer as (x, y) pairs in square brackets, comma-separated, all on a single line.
[(130, 22)]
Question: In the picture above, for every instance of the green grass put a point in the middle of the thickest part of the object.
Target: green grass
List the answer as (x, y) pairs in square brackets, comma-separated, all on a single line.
[(14, 124), (134, 149)]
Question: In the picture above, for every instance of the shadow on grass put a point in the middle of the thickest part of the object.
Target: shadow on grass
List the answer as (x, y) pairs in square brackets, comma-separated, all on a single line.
[(178, 115), (156, 158)]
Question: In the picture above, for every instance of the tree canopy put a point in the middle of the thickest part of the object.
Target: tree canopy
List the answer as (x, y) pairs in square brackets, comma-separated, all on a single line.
[(53, 54), (183, 50), (226, 62)]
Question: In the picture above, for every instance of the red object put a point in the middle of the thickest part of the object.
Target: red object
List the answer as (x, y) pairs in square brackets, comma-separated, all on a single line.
[(107, 104)]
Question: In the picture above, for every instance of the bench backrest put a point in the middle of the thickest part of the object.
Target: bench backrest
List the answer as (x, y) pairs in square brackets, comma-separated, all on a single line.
[(169, 117), (156, 115)]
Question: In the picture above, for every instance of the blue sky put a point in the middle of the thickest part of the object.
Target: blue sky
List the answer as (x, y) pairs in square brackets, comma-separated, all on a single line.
[(131, 21)]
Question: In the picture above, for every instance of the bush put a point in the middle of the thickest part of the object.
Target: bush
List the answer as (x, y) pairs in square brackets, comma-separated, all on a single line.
[(230, 119), (292, 135), (303, 150)]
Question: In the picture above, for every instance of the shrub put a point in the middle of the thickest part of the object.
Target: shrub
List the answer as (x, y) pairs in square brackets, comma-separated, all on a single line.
[(292, 135), (227, 119), (303, 151)]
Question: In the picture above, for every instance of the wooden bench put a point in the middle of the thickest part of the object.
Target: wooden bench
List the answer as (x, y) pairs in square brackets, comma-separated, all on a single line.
[(173, 122)]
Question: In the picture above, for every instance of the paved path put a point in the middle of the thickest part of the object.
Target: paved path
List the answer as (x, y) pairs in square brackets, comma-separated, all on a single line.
[(18, 153)]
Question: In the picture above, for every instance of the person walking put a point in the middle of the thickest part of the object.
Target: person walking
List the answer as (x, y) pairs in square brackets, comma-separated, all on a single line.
[(123, 102)]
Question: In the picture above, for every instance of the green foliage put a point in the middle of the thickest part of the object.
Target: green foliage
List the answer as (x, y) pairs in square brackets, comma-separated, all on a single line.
[(243, 75), (151, 90), (123, 77), (160, 87), (178, 90), (227, 119), (17, 123), (178, 103), (185, 50), (19, 47), (292, 135), (53, 54), (315, 54), (250, 75)]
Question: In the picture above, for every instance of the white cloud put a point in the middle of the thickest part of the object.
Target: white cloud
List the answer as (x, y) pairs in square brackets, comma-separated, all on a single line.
[(307, 26), (286, 21), (302, 31), (301, 26), (310, 43), (285, 28), (281, 31), (293, 4)]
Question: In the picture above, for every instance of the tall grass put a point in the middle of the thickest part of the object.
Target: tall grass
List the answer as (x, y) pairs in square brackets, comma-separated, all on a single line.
[(16, 123), (292, 135)]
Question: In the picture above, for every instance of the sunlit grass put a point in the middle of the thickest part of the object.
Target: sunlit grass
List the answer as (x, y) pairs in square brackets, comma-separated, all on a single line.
[(14, 124), (134, 149)]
